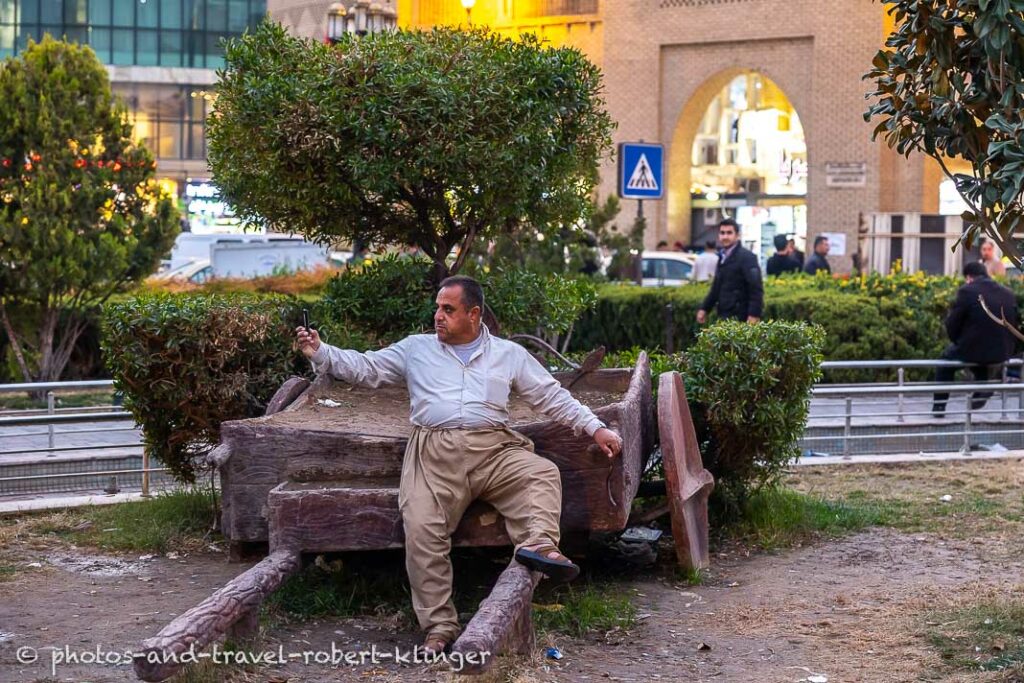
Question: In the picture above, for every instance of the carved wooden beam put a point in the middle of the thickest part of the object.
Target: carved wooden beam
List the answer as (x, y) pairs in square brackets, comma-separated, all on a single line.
[(502, 623), (231, 610), (289, 391)]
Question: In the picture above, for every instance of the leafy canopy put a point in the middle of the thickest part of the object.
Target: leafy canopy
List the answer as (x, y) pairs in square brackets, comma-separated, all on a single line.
[(950, 84), (407, 137)]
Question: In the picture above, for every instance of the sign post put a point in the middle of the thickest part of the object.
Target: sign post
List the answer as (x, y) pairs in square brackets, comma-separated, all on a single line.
[(641, 176)]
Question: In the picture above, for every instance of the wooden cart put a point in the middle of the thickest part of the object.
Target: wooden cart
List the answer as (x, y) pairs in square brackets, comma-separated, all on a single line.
[(319, 473)]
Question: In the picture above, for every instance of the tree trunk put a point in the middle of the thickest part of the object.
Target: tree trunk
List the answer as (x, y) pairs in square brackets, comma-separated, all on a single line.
[(15, 344)]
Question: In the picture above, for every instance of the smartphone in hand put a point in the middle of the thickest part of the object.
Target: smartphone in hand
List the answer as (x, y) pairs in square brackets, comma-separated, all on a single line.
[(305, 319)]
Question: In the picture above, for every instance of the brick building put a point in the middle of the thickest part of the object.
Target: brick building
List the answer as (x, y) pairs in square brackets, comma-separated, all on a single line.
[(668, 63)]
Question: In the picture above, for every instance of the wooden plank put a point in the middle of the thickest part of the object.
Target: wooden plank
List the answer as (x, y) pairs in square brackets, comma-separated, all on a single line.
[(210, 620), (502, 622), (286, 395), (688, 483), (335, 516)]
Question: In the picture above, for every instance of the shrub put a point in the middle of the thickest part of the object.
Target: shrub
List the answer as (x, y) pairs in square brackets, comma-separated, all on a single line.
[(544, 305), (187, 363), (390, 298), (394, 297), (750, 387)]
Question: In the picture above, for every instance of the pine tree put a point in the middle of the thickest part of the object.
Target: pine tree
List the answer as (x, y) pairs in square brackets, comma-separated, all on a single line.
[(81, 215)]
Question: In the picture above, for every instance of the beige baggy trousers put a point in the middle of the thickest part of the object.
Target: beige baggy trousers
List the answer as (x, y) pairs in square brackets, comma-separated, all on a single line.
[(444, 470)]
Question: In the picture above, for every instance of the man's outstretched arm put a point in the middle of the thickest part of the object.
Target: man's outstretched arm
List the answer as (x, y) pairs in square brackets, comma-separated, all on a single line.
[(371, 369)]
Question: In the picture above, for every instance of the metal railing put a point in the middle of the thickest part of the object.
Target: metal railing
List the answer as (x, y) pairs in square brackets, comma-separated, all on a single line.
[(874, 429), (51, 419), (901, 366)]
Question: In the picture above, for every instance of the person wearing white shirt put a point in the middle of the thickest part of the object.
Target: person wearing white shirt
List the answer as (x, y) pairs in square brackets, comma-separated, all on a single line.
[(707, 263), (461, 448)]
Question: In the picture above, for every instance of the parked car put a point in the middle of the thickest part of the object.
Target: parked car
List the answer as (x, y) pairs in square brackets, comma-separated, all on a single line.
[(667, 268), (197, 272)]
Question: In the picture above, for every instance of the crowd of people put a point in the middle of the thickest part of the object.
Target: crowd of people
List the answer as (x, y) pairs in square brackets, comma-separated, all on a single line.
[(737, 293)]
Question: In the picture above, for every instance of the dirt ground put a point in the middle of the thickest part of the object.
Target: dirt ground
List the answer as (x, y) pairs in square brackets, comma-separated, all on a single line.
[(857, 608)]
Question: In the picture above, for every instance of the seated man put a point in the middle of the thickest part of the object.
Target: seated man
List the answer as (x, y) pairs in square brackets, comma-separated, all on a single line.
[(976, 337), (461, 448)]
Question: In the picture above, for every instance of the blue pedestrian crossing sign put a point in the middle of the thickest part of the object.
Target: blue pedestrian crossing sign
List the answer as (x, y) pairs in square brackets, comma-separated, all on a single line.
[(641, 170)]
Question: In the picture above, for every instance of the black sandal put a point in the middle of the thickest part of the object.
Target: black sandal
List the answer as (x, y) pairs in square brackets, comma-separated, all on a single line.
[(560, 569)]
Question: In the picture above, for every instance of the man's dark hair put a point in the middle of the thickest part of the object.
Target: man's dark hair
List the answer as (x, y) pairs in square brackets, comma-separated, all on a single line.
[(711, 244), (780, 242), (819, 239), (472, 292), (661, 244), (730, 221), (975, 269)]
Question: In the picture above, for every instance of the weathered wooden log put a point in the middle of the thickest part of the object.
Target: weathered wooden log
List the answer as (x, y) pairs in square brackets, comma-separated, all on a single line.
[(234, 604), (502, 623), (688, 483), (289, 391)]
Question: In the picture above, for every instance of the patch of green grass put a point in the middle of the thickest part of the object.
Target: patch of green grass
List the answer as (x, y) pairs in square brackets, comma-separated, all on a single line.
[(176, 519), (689, 577), (7, 572), (988, 636), (582, 610), (73, 400), (780, 517), (343, 588)]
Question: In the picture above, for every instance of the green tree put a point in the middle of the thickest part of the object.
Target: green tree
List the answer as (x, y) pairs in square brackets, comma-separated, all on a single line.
[(406, 137), (950, 84), (81, 216)]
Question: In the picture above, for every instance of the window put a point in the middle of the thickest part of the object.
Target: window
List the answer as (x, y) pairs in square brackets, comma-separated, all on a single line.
[(124, 12), (147, 45), (99, 12), (170, 13), (147, 13), (123, 41), (144, 32)]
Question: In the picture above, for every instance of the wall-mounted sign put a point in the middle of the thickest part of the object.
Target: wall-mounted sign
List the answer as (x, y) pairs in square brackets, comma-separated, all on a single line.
[(846, 174)]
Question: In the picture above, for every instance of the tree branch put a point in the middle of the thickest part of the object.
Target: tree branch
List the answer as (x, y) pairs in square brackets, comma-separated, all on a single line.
[(1000, 320)]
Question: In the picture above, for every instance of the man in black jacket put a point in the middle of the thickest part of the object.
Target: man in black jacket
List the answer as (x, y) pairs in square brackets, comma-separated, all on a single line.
[(976, 337), (818, 261), (782, 261), (736, 290)]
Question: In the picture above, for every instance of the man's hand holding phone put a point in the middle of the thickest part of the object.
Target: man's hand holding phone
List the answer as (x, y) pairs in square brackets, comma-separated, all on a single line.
[(307, 339)]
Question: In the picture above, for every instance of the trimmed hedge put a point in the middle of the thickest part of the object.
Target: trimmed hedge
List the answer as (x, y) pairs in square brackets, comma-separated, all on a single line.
[(870, 318), (187, 363)]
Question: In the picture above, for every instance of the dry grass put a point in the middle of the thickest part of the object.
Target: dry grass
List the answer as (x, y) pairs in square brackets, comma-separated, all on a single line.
[(987, 496), (301, 282)]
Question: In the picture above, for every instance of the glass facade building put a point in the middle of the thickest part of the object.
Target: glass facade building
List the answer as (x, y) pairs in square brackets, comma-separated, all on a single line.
[(161, 56), (183, 33)]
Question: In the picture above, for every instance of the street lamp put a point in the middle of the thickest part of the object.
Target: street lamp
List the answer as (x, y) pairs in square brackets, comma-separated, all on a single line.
[(337, 18), (468, 4), (360, 17)]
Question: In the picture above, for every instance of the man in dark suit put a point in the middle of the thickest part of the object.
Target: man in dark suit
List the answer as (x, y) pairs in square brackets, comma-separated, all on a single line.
[(818, 261), (976, 337), (737, 290), (782, 261)]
